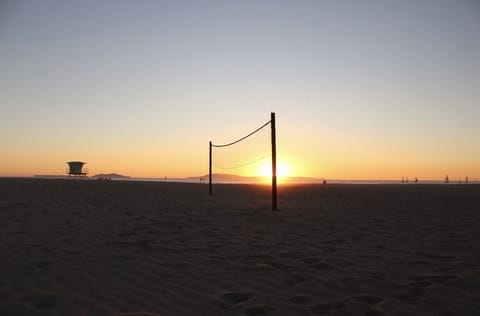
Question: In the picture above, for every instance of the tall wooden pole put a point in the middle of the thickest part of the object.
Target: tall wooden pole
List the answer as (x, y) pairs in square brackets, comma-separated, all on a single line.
[(210, 168), (274, 163)]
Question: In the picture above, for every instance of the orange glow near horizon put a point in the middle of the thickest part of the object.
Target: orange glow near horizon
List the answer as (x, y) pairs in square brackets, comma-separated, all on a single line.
[(293, 160)]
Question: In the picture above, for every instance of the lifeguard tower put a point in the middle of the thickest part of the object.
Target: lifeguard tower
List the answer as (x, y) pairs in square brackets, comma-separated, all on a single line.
[(75, 168)]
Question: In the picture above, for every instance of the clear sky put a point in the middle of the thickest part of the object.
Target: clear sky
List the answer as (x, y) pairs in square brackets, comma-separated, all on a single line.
[(361, 89)]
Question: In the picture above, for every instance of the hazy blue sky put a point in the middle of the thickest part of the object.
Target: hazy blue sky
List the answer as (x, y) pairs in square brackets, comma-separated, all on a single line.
[(362, 89)]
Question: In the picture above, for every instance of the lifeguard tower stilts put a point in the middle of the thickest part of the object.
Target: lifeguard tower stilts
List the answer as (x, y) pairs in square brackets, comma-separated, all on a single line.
[(75, 169)]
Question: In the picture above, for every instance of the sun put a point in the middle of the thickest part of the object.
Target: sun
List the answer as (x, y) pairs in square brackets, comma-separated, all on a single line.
[(284, 170)]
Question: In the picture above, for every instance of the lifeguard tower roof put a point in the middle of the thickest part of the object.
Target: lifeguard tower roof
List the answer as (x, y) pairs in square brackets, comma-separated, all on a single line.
[(75, 168)]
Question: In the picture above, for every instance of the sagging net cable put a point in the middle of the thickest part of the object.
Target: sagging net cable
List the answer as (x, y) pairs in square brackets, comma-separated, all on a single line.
[(247, 151), (245, 137), (242, 165)]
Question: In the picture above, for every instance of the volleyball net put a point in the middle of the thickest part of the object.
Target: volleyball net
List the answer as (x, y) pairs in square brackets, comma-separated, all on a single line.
[(247, 155)]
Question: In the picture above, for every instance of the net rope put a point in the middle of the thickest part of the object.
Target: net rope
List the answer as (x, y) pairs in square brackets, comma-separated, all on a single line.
[(256, 149), (242, 165), (244, 137)]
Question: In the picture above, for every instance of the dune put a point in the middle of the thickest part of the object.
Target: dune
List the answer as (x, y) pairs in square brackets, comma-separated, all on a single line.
[(79, 247)]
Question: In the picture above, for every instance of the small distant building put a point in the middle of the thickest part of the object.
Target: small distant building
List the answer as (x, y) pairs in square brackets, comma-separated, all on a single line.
[(75, 168)]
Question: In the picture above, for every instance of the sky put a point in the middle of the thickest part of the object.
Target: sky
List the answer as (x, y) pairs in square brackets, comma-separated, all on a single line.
[(361, 89)]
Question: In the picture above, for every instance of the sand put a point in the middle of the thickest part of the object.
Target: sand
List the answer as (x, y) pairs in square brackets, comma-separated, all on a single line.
[(76, 247)]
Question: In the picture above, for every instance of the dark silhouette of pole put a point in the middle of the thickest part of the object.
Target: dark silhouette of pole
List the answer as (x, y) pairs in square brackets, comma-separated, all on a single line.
[(210, 168), (274, 163)]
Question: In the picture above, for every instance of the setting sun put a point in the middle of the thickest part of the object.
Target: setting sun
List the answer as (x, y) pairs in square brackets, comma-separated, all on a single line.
[(283, 170)]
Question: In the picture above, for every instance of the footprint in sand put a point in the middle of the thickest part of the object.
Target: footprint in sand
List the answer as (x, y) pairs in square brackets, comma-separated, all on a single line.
[(316, 263), (421, 283), (433, 278)]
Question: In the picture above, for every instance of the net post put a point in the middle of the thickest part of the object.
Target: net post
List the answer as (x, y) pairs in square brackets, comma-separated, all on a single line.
[(210, 168), (274, 163)]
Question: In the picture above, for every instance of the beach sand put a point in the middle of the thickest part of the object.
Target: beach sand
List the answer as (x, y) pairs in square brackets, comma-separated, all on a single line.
[(81, 247)]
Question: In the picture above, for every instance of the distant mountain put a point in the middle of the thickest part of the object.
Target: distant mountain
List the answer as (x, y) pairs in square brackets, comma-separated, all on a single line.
[(222, 176), (303, 180), (115, 176)]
